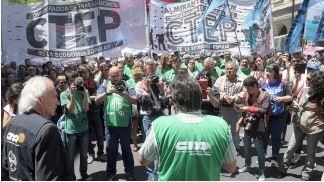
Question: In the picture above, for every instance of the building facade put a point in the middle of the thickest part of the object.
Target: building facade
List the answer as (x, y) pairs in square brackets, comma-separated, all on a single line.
[(282, 19)]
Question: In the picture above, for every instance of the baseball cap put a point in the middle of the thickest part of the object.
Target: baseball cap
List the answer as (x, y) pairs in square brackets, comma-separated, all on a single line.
[(313, 64)]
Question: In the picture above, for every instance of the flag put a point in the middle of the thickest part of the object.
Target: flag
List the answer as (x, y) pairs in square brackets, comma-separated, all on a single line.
[(255, 16), (223, 17), (296, 30), (319, 30), (215, 4), (251, 39), (255, 19)]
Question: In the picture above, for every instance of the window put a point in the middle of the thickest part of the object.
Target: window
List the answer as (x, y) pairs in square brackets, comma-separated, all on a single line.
[(283, 30)]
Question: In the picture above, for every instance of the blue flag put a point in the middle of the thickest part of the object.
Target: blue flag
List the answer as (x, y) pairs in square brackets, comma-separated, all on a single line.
[(255, 19), (255, 16), (215, 4), (292, 43), (223, 17)]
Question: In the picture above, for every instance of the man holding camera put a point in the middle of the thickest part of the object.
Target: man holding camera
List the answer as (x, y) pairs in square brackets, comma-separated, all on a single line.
[(118, 98), (254, 120), (149, 92), (75, 100)]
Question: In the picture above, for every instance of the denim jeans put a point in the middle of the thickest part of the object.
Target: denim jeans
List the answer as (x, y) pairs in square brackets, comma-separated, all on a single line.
[(96, 129), (275, 129), (79, 141), (296, 140), (259, 146), (114, 135), (147, 123)]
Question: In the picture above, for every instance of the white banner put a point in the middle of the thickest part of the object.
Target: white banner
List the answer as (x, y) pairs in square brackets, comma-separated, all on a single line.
[(314, 27), (173, 26), (59, 30)]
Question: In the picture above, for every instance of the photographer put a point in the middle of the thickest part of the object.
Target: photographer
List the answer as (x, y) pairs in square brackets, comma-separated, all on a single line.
[(118, 97), (149, 92), (254, 121), (75, 102)]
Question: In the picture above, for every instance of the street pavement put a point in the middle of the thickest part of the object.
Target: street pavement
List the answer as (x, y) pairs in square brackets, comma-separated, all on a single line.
[(96, 170)]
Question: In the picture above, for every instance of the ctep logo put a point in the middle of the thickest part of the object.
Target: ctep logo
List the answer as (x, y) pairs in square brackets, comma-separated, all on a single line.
[(20, 138)]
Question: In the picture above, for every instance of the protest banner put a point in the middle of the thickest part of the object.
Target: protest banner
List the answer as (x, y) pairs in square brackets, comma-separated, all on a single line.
[(60, 30), (314, 29), (175, 26)]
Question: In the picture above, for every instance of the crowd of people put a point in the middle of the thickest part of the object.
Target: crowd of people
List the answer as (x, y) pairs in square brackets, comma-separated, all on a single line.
[(189, 108)]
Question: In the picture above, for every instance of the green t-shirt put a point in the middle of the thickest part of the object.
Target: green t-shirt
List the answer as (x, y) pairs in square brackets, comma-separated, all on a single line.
[(160, 73), (193, 74), (128, 71), (169, 76), (191, 151), (199, 66), (117, 109), (243, 73), (222, 63), (76, 122)]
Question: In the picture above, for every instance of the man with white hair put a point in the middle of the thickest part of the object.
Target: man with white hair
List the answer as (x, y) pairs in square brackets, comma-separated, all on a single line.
[(33, 147)]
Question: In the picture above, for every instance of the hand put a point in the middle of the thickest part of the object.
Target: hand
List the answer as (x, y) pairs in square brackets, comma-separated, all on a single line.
[(161, 85), (111, 90), (84, 92), (318, 123), (124, 94), (229, 99), (288, 64), (277, 100), (243, 108), (148, 83), (237, 126), (208, 91), (73, 88)]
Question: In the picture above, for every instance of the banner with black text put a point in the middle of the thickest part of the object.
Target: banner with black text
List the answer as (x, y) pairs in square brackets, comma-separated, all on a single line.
[(59, 30), (173, 26)]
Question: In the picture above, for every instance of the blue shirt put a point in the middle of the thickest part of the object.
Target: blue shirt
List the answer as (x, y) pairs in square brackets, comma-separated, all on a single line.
[(276, 89)]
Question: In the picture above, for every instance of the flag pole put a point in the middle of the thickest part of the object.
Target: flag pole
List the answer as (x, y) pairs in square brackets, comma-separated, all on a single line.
[(238, 44)]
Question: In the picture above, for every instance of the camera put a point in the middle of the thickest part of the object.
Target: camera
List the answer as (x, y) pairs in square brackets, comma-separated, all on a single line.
[(120, 87), (154, 79), (79, 83), (251, 123), (300, 68)]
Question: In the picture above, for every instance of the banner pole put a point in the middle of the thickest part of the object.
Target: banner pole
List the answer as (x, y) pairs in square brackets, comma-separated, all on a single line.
[(238, 44)]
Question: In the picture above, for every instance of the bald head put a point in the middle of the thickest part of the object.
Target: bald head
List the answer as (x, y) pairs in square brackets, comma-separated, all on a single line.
[(114, 74)]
